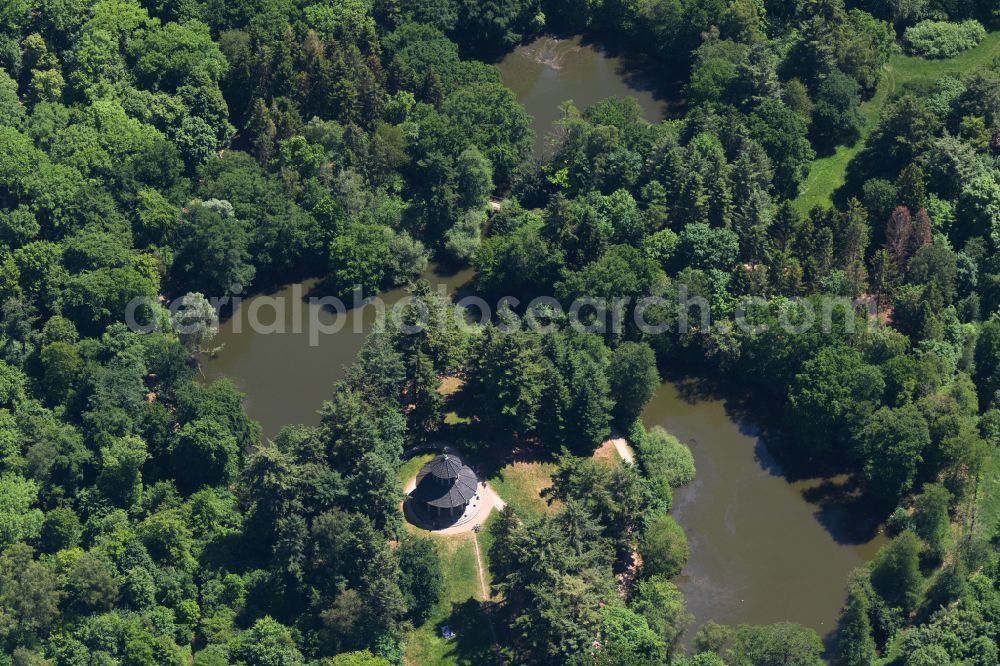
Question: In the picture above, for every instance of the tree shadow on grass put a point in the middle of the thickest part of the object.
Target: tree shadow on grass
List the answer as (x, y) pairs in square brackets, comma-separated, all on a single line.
[(472, 643), (487, 454)]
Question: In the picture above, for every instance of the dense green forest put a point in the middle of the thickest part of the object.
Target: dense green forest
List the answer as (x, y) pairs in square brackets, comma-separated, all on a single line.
[(183, 149)]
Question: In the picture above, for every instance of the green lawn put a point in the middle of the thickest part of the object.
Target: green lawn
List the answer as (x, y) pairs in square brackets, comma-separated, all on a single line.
[(988, 511), (827, 173), (520, 485), (453, 418), (459, 609), (410, 467)]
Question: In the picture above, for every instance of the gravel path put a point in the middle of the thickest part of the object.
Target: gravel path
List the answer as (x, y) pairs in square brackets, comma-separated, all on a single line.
[(624, 450), (488, 500)]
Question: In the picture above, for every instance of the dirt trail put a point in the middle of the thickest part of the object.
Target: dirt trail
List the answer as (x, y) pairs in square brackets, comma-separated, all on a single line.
[(479, 567), (486, 594), (624, 450)]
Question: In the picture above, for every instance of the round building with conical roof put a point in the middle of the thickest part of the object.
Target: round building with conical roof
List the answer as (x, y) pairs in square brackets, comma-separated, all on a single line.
[(445, 485)]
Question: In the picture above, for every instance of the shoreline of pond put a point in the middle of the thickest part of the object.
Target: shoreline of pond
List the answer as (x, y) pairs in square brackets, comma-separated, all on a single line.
[(757, 538), (319, 365), (763, 546), (553, 68)]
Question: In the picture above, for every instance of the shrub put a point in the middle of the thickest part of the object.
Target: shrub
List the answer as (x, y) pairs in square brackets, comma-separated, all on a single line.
[(667, 461), (896, 572), (931, 519), (899, 521), (668, 457), (664, 547), (941, 39)]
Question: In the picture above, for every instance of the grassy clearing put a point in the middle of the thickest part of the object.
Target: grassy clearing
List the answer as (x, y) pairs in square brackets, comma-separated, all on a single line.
[(520, 485), (453, 418), (988, 511), (450, 386), (455, 401), (827, 173), (607, 453), (459, 608), (410, 467), (485, 541)]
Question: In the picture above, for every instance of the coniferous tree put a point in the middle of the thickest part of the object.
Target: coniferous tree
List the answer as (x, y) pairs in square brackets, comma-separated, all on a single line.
[(896, 573), (898, 235), (424, 415), (855, 644)]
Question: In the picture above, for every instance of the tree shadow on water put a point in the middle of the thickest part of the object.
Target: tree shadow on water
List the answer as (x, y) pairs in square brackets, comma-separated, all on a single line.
[(750, 409), (844, 511), (840, 505), (830, 644), (763, 456), (692, 388), (642, 72)]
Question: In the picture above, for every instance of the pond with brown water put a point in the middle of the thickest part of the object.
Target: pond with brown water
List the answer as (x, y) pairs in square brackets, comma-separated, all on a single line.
[(550, 70), (760, 550)]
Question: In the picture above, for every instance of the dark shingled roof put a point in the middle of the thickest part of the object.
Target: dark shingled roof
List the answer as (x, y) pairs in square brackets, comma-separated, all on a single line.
[(445, 466), (445, 482)]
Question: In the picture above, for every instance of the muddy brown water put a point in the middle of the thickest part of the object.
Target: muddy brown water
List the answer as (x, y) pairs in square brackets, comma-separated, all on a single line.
[(548, 71), (760, 552), (284, 376)]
